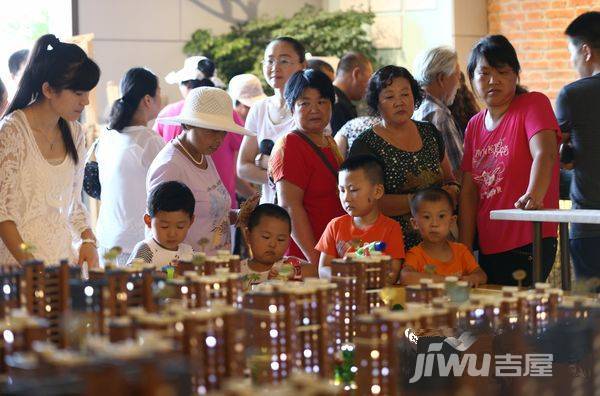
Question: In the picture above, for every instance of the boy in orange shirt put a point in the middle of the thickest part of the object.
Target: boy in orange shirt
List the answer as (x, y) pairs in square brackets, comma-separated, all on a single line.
[(437, 257), (360, 184)]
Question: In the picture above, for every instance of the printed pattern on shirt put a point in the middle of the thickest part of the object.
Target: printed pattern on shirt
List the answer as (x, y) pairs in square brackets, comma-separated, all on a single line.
[(488, 170), (143, 252)]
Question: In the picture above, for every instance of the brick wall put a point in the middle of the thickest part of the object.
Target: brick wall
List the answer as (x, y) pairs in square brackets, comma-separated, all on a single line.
[(535, 28)]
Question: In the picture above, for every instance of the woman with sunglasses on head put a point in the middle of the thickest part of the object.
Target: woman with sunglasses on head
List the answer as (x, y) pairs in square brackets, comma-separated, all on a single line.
[(42, 151), (270, 118)]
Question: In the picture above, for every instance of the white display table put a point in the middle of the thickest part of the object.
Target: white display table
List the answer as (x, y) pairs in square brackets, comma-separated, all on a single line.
[(537, 217)]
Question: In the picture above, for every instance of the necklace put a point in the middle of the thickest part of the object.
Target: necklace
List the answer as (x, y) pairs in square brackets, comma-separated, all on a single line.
[(51, 141), (199, 163), (45, 135), (33, 119), (281, 112)]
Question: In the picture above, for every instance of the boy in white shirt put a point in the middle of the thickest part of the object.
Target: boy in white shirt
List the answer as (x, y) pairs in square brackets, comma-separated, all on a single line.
[(170, 215)]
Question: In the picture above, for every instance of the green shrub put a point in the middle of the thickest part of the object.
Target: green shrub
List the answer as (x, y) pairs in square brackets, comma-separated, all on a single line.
[(322, 33)]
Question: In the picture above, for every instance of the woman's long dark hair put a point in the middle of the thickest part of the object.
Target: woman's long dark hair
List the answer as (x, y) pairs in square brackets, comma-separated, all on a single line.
[(62, 66), (135, 85)]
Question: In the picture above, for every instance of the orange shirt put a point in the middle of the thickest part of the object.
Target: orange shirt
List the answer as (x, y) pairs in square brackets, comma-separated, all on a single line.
[(340, 233), (462, 261)]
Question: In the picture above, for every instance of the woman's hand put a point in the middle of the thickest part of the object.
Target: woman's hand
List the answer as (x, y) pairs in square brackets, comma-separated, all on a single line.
[(89, 254), (529, 202)]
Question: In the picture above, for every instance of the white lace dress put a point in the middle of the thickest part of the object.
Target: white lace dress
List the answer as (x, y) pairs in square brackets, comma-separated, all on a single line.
[(43, 200)]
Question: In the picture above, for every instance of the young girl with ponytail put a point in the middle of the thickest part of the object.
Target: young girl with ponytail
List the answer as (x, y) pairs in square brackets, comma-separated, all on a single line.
[(42, 149), (124, 153)]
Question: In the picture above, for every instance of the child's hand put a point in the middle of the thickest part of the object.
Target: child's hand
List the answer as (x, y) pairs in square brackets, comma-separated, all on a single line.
[(273, 273), (473, 281)]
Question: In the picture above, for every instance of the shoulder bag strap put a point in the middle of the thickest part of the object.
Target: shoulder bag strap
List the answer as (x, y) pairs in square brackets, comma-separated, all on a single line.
[(319, 152)]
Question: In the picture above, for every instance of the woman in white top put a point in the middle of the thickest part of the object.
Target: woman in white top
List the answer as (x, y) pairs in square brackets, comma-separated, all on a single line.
[(270, 117), (207, 113), (42, 151), (124, 153)]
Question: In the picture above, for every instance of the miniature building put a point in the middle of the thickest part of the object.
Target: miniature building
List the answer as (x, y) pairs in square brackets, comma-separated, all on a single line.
[(45, 293), (271, 333), (213, 340)]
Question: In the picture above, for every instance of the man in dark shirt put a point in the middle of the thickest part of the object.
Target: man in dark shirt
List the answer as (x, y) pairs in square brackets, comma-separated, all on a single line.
[(578, 113), (351, 79), (319, 64)]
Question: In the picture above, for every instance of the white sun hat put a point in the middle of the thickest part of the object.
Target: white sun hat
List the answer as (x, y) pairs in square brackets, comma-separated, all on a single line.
[(246, 88), (189, 71), (210, 108)]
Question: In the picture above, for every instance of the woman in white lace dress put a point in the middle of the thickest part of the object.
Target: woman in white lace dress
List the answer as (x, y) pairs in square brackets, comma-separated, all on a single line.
[(42, 151)]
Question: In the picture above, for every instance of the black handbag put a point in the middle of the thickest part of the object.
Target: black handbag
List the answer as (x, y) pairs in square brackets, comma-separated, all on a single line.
[(91, 178)]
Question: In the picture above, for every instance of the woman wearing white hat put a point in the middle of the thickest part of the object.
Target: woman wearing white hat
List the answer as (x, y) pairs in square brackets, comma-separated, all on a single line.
[(205, 117), (197, 71)]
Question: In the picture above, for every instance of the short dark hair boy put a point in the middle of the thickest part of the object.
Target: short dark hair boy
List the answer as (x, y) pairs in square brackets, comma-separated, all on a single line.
[(430, 195), (170, 215), (171, 196), (369, 163)]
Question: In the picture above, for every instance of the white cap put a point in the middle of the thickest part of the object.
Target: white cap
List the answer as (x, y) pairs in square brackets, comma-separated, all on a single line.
[(189, 71), (246, 88)]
